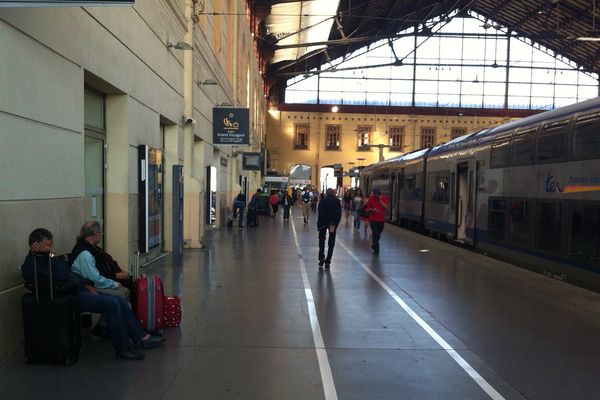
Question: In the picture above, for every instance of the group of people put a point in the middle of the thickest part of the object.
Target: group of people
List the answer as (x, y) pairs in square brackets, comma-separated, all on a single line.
[(371, 210), (307, 198), (368, 211), (100, 284)]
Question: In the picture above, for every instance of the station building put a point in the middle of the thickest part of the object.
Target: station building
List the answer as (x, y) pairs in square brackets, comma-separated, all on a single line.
[(106, 111)]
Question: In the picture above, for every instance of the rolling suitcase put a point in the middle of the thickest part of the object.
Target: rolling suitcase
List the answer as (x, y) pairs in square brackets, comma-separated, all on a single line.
[(252, 218), (149, 302), (51, 325)]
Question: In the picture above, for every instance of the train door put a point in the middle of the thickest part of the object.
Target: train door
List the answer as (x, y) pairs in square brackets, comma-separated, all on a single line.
[(465, 199), (393, 198)]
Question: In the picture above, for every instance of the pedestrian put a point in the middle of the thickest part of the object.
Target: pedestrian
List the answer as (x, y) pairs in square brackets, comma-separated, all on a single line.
[(238, 207), (347, 200), (252, 218), (305, 204), (286, 202), (357, 203), (274, 200), (376, 206), (330, 214)]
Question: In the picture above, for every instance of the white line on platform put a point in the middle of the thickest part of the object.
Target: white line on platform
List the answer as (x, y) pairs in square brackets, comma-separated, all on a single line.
[(324, 367), (493, 393)]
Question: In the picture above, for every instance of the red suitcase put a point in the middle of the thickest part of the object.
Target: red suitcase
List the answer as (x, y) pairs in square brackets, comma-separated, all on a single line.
[(149, 302), (172, 311)]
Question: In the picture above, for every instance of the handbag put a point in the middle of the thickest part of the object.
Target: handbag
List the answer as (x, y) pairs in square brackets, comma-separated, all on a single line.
[(363, 212)]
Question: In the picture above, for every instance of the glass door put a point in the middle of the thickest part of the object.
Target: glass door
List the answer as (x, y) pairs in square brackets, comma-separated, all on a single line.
[(94, 179)]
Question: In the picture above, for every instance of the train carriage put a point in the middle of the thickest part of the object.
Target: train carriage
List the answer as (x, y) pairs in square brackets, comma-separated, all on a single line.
[(527, 191)]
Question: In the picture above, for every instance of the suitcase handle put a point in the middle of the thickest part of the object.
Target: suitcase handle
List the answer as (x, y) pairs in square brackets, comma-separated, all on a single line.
[(35, 278)]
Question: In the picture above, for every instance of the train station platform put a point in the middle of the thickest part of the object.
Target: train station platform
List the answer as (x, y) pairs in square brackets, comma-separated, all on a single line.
[(422, 320)]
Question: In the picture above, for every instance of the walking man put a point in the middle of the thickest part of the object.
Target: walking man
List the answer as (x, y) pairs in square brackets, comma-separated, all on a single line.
[(376, 205), (330, 214)]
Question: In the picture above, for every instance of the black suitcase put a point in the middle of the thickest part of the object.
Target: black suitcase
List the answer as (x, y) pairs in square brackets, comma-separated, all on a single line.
[(252, 217), (51, 324)]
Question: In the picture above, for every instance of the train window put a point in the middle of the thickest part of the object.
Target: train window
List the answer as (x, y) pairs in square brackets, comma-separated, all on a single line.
[(519, 222), (523, 146), (584, 240), (547, 225), (551, 142), (418, 191), (438, 190), (586, 141), (409, 187), (500, 154), (401, 180), (496, 218)]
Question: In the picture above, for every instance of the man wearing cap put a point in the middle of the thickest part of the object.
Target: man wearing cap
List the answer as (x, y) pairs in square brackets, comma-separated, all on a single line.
[(376, 205)]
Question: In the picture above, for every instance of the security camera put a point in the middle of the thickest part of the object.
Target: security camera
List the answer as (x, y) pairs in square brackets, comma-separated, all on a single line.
[(189, 121)]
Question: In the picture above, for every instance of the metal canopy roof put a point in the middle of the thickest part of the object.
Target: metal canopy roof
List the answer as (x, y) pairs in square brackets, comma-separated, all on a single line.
[(559, 25)]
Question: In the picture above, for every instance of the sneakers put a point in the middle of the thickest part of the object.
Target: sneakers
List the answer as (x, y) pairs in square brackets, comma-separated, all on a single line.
[(153, 341), (130, 354)]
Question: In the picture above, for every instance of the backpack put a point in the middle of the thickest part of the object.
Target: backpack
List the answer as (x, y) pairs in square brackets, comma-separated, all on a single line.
[(306, 197)]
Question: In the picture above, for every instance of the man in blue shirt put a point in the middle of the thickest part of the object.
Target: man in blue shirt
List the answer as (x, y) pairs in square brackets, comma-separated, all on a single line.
[(84, 263)]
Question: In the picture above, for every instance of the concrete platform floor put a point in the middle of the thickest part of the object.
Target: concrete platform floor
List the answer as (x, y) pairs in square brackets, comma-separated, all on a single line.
[(423, 320)]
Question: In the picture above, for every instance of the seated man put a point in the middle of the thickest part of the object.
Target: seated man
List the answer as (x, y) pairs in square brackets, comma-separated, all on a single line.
[(93, 263), (123, 327)]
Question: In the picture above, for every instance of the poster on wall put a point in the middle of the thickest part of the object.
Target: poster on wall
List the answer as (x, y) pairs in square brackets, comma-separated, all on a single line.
[(231, 126), (150, 197)]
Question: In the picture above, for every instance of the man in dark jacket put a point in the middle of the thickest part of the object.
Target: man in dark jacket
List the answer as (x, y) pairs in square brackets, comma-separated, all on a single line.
[(330, 213)]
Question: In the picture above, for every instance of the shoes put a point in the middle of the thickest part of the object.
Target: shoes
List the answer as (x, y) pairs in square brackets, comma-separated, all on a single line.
[(130, 354), (159, 333), (305, 221), (100, 331), (327, 265), (375, 251), (321, 262), (153, 341)]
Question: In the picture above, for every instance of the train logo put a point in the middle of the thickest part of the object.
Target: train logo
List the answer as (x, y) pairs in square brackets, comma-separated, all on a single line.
[(576, 184), (552, 186)]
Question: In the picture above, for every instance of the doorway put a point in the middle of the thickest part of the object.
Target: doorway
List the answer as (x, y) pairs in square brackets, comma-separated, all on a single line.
[(462, 201)]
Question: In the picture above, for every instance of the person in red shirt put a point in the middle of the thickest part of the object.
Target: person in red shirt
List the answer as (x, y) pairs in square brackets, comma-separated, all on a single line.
[(376, 205)]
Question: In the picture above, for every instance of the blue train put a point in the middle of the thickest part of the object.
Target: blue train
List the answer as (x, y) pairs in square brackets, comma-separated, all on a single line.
[(527, 191)]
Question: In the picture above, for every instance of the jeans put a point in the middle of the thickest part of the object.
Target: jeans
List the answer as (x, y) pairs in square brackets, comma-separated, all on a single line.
[(330, 244), (376, 229), (239, 206), (286, 212), (356, 219), (123, 326)]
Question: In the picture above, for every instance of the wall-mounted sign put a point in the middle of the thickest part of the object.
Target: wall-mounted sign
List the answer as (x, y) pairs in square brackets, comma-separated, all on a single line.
[(231, 126), (252, 161), (338, 170), (64, 3), (223, 161)]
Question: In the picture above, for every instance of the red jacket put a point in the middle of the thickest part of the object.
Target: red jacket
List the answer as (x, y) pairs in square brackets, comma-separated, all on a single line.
[(376, 206)]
